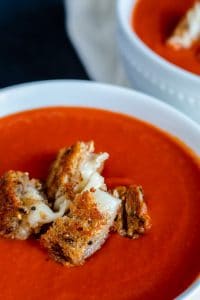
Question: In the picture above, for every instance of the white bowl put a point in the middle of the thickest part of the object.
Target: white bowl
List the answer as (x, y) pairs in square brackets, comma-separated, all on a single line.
[(152, 74), (87, 94)]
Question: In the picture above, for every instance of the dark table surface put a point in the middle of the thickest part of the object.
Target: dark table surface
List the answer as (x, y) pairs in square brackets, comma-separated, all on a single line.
[(34, 45)]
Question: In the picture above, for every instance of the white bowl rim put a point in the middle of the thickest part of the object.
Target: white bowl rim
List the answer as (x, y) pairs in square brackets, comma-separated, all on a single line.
[(134, 39), (48, 86), (8, 94)]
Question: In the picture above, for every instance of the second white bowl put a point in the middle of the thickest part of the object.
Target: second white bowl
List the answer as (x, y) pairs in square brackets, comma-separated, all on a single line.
[(151, 73)]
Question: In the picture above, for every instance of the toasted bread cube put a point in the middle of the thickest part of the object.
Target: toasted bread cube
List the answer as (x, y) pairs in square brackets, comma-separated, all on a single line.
[(23, 206), (132, 218), (76, 236), (71, 171), (187, 32)]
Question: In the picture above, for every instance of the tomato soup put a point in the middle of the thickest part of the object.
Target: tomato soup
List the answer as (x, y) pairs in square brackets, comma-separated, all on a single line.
[(159, 265), (154, 21)]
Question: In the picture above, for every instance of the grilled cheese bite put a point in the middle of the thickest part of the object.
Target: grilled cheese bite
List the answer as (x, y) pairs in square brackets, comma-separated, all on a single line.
[(83, 230), (187, 32), (23, 206), (132, 219), (72, 170)]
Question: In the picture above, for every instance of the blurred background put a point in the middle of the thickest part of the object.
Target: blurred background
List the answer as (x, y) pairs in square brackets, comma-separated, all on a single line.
[(34, 44)]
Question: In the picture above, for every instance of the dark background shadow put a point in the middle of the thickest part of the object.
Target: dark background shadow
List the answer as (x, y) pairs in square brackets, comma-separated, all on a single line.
[(33, 43)]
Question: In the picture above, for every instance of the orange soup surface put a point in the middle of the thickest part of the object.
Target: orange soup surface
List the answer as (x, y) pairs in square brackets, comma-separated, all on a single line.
[(154, 21), (159, 265)]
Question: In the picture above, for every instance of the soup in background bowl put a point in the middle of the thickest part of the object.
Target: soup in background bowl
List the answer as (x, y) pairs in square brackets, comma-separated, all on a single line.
[(159, 18), (153, 66)]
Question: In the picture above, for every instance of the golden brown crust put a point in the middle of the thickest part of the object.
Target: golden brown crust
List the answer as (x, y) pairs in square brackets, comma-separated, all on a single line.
[(132, 219), (12, 208), (69, 237), (64, 174), (9, 205)]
